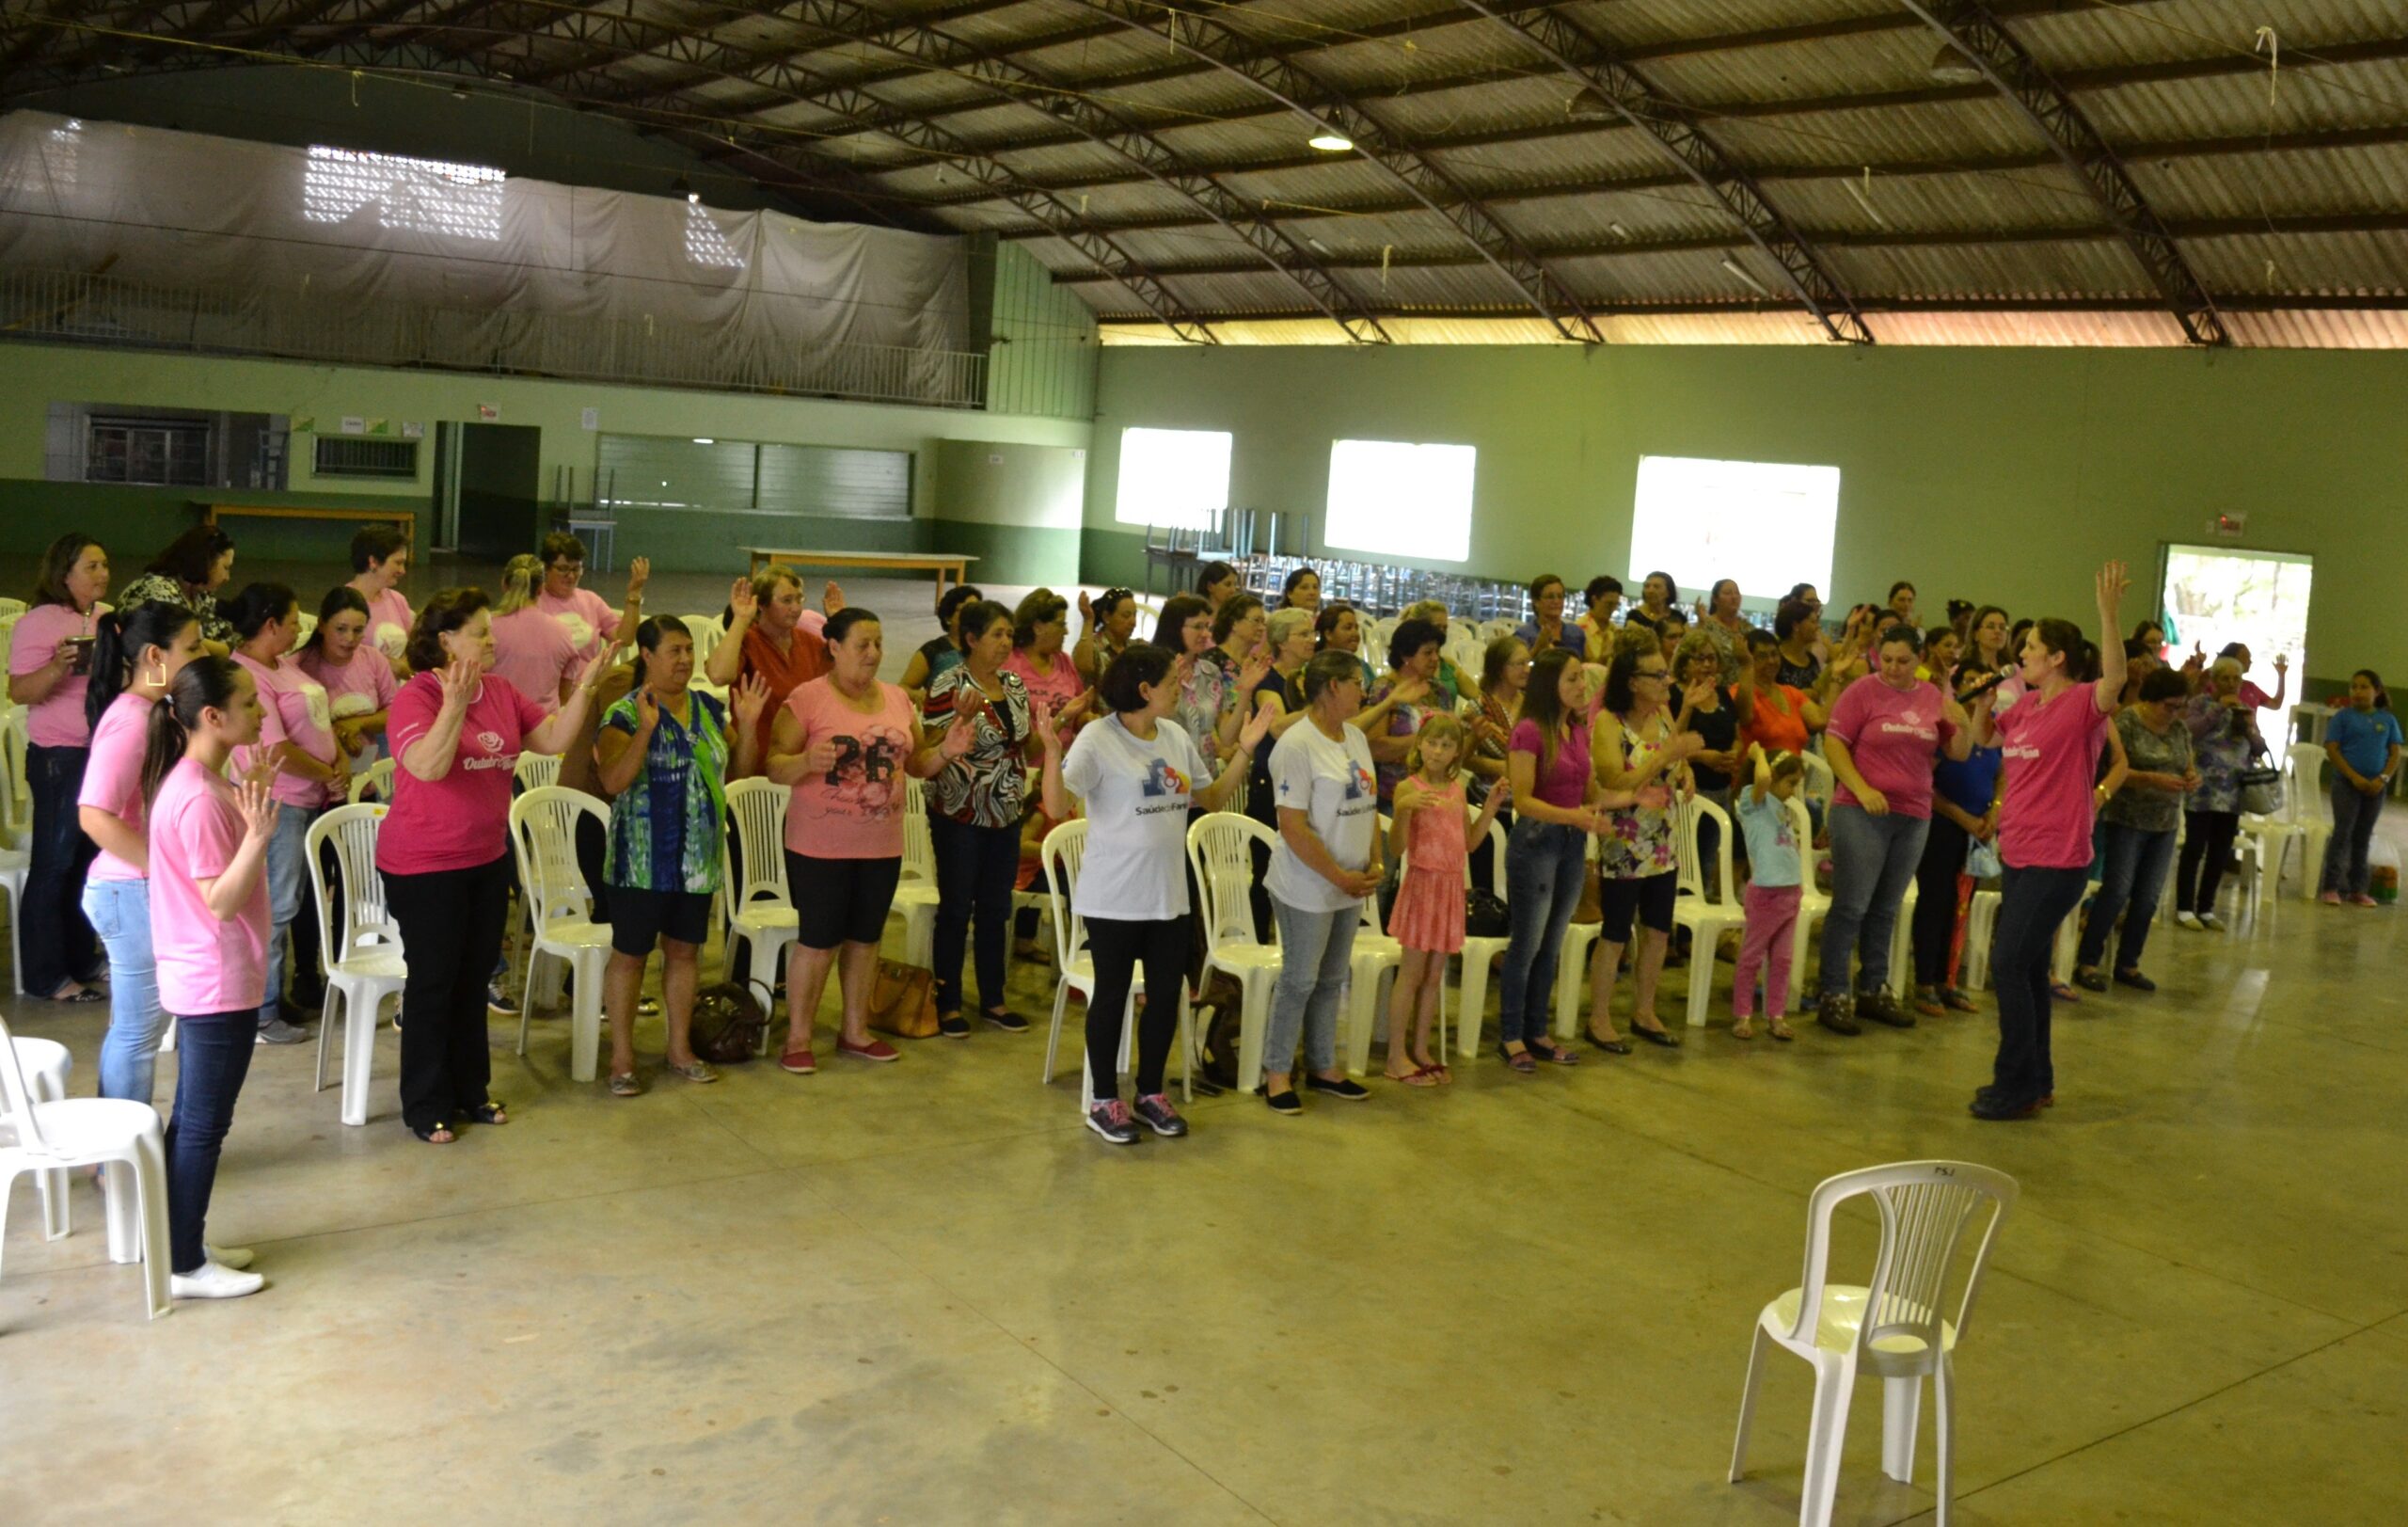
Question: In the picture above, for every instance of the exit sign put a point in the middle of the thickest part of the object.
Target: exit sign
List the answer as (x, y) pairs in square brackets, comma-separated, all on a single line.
[(2228, 527)]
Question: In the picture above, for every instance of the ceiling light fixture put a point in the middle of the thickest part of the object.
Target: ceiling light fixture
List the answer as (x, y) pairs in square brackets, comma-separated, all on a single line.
[(705, 439), (1589, 106), (1736, 269), (1865, 202), (1328, 140), (1950, 66), (1317, 244), (1618, 230)]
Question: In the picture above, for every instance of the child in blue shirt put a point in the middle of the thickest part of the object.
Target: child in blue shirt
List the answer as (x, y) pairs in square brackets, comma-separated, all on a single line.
[(2364, 744), (1776, 871)]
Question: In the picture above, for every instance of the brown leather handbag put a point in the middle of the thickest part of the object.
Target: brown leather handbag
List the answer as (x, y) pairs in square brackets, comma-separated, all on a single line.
[(903, 1000)]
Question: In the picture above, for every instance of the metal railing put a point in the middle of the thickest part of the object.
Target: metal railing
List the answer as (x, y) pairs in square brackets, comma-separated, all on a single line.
[(68, 306)]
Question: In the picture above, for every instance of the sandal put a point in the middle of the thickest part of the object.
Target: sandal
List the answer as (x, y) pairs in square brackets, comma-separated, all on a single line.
[(431, 1131), (86, 995), (1743, 1030), (1956, 1001), (1420, 1077), (1658, 1035), (700, 1071), (1554, 1054), (1526, 1062), (625, 1083), (1778, 1028), (491, 1111)]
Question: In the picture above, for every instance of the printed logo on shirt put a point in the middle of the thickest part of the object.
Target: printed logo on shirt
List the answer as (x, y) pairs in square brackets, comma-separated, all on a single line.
[(1161, 779), (867, 776), (490, 742), (1358, 781)]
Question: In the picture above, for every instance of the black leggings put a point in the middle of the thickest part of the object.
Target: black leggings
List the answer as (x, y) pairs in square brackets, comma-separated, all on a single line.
[(1934, 924), (1118, 946), (451, 922), (2206, 853)]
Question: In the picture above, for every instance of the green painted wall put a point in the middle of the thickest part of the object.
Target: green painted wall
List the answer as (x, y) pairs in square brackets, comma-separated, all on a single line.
[(34, 375), (2004, 475), (1039, 337)]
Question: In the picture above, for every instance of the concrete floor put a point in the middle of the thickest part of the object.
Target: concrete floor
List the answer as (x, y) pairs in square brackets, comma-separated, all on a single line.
[(925, 1293)]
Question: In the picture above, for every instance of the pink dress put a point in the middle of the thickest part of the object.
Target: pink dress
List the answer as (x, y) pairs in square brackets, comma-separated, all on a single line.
[(1429, 911)]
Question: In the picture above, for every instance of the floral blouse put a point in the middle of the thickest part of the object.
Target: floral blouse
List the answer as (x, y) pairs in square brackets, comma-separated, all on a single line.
[(983, 788), (2222, 743), (159, 588), (1638, 840), (1201, 697), (1404, 721)]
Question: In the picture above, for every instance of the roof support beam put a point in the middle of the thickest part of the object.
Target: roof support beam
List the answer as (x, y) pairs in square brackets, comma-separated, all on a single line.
[(1985, 41), (1316, 105), (1001, 79), (1590, 65)]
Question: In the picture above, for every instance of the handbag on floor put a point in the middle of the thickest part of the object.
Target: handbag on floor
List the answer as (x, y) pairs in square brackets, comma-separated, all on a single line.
[(903, 1000), (728, 1023)]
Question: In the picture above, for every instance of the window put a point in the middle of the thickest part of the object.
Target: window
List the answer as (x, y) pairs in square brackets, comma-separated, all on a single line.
[(705, 244), (2211, 597), (348, 455), (1767, 524), (1176, 477), (148, 453), (415, 196), (1412, 500)]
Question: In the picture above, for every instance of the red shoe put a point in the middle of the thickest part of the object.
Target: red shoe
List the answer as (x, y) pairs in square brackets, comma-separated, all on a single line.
[(798, 1061), (874, 1050)]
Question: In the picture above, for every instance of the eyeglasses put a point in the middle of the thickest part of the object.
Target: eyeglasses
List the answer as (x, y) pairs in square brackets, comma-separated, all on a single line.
[(1651, 672)]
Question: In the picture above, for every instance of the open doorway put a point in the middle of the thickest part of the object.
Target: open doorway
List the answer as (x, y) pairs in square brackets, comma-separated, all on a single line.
[(2211, 596)]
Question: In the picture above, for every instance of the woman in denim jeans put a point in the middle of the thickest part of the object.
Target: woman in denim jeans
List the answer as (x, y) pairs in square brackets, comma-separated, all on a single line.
[(1643, 759), (48, 662), (1328, 860), (1556, 798), (137, 654), (2136, 829)]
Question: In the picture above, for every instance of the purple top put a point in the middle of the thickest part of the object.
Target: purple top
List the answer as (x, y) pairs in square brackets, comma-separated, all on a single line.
[(1565, 781)]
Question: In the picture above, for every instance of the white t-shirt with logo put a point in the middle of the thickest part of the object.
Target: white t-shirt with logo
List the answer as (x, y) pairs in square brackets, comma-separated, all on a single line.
[(1137, 794), (1334, 786)]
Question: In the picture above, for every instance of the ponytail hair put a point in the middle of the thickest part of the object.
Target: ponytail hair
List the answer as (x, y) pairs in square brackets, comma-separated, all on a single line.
[(519, 578), (118, 640), (206, 683), (2382, 695), (257, 605), (338, 599), (648, 637)]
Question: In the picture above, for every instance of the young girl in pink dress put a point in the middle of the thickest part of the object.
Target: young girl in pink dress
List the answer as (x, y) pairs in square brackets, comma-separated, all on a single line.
[(1428, 918)]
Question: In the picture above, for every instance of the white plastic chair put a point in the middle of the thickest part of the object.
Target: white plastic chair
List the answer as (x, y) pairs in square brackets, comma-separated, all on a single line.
[(1061, 851), (1572, 962), (46, 1065), (542, 835), (1820, 785), (374, 783), (16, 834), (363, 950), (1706, 916), (1481, 953), (2306, 807), (1220, 849), (915, 893), (48, 1136), (1814, 901), (1891, 1326), (1981, 926), (707, 634), (1489, 631), (535, 771), (1370, 972), (759, 905), (1901, 982)]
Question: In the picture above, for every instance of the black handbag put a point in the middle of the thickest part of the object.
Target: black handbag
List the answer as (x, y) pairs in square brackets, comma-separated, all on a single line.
[(1484, 915)]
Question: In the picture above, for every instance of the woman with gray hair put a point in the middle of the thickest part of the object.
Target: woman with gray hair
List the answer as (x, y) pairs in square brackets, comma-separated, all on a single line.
[(2224, 737), (1328, 860), (1288, 636)]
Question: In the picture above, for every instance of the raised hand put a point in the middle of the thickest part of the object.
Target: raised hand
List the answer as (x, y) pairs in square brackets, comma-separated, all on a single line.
[(1041, 723), (459, 679), (831, 599), (1409, 691), (1257, 668), (1257, 727), (1694, 696), (647, 711), (1086, 608), (593, 666), (257, 807), (2114, 581), (639, 574), (2282, 662), (741, 601), (751, 699)]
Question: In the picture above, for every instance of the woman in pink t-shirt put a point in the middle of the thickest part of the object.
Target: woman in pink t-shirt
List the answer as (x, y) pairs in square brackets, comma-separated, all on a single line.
[(531, 649), (456, 730), (358, 680), (137, 654), (846, 744), (2051, 740), (1886, 731), (306, 769), (208, 923), (380, 558), (590, 624), (48, 655)]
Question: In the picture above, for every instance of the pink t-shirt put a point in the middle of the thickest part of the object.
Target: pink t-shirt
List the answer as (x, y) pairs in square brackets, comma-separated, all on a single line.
[(293, 709), (362, 687), (585, 616), (2051, 755), (855, 810), (534, 651), (2251, 695), (463, 820), (113, 775), (1565, 783), (1894, 735), (389, 623), (205, 965), (59, 721), (1058, 688)]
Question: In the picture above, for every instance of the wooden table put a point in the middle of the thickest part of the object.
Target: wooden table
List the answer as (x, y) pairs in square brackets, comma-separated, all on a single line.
[(945, 565), (405, 518)]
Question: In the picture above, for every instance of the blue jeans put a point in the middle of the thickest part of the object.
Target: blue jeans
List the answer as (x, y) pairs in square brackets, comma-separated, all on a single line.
[(2031, 905), (1316, 952), (120, 910), (211, 1059), (1545, 863), (2137, 860), (285, 871), (2345, 851), (53, 938), (1873, 862)]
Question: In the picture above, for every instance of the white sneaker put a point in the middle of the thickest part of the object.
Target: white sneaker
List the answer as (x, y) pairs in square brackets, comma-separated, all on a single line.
[(236, 1257), (2213, 923), (213, 1281), (2189, 920)]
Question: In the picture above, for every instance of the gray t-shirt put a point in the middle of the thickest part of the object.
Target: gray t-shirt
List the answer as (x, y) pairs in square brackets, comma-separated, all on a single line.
[(2168, 752)]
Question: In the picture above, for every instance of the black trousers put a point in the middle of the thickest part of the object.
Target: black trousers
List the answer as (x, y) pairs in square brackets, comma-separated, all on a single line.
[(975, 868), (451, 924), (2206, 853), (1934, 924), (53, 935), (1118, 946)]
